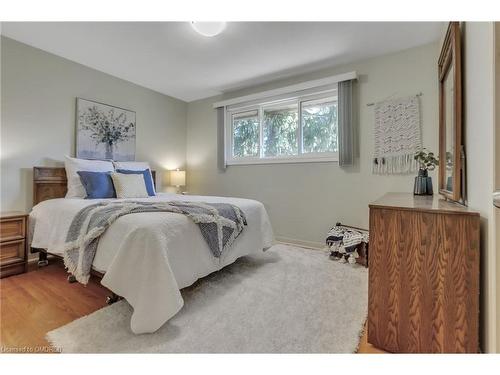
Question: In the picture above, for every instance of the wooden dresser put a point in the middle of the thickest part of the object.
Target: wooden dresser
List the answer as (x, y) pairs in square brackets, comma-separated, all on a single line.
[(13, 243), (423, 275)]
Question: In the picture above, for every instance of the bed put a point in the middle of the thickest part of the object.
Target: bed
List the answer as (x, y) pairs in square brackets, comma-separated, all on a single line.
[(145, 258)]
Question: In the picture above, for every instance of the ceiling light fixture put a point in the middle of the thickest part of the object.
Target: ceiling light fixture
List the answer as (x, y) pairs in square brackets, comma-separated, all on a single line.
[(208, 28)]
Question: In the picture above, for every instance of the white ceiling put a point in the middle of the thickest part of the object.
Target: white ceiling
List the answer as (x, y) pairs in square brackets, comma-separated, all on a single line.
[(171, 58)]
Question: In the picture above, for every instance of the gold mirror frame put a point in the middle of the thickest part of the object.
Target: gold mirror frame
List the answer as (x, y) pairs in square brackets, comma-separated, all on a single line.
[(450, 58)]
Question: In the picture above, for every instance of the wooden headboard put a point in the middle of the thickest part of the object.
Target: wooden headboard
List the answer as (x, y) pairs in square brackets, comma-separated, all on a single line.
[(51, 183)]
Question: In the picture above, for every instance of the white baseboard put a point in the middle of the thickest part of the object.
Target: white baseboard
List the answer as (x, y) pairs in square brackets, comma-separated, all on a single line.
[(301, 243)]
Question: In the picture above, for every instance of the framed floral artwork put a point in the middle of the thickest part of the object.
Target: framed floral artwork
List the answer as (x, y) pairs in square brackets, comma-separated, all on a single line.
[(104, 132)]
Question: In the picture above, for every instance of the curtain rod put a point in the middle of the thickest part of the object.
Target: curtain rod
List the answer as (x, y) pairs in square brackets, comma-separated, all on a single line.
[(371, 104)]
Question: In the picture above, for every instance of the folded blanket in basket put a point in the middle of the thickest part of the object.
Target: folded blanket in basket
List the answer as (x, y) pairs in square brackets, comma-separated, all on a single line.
[(348, 238)]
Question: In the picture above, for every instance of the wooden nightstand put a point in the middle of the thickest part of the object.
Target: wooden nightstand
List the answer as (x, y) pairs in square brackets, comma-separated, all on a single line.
[(13, 243)]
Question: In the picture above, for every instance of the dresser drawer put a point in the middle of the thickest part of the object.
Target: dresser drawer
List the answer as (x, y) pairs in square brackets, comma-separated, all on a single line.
[(11, 252), (12, 229)]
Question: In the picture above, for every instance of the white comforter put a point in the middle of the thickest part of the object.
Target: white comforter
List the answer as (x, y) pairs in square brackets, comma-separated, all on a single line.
[(148, 257)]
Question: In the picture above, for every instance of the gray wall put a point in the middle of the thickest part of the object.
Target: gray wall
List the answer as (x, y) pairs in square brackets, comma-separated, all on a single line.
[(38, 99), (304, 200)]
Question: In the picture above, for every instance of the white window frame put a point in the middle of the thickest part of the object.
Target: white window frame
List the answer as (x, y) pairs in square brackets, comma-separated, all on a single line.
[(301, 157)]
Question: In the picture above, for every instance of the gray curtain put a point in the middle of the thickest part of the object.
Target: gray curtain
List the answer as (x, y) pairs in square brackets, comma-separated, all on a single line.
[(346, 122), (221, 157)]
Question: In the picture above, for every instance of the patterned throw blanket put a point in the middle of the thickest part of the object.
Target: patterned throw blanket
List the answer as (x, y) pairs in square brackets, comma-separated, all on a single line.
[(220, 224)]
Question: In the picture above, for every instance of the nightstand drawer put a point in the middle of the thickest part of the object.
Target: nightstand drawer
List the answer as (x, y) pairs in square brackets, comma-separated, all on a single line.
[(12, 228), (12, 252), (13, 256)]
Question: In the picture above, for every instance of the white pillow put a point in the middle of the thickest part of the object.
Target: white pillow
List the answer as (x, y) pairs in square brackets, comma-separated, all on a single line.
[(129, 185), (73, 165), (131, 165)]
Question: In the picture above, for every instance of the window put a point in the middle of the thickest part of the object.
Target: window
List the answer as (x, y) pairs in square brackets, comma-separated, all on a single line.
[(280, 124), (283, 131), (319, 126), (245, 134)]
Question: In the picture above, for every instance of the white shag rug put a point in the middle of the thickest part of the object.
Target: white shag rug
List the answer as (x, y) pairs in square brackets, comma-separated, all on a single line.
[(285, 300)]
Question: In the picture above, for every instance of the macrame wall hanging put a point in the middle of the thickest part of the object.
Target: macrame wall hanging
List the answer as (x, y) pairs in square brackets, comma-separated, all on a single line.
[(397, 135)]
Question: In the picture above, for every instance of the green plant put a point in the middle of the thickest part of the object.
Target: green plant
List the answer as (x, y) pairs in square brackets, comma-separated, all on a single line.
[(426, 160)]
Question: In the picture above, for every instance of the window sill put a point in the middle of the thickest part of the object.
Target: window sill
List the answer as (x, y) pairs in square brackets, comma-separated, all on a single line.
[(283, 161)]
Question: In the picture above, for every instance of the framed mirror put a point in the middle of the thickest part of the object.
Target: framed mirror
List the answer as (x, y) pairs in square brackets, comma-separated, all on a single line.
[(451, 171)]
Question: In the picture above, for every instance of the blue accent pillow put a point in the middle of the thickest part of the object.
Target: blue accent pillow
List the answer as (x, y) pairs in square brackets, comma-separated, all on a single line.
[(148, 179), (97, 184)]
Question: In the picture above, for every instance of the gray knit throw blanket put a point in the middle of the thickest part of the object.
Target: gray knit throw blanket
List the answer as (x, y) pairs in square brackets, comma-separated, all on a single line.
[(220, 224)]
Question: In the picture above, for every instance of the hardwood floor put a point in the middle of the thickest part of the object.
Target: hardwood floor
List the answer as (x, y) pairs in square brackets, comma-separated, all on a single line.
[(41, 300), (367, 348), (36, 302)]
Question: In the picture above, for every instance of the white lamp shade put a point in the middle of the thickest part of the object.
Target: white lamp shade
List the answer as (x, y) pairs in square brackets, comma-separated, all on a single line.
[(178, 178)]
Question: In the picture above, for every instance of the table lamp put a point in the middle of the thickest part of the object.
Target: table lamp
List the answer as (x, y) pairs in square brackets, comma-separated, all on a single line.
[(178, 179)]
